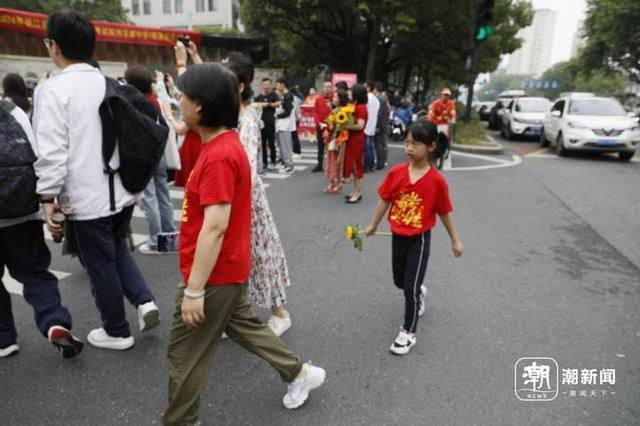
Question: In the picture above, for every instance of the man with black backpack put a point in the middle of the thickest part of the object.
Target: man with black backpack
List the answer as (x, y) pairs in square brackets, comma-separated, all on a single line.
[(22, 247), (69, 111)]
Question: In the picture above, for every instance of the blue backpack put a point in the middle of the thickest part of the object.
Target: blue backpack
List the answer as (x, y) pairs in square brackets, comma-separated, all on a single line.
[(18, 178)]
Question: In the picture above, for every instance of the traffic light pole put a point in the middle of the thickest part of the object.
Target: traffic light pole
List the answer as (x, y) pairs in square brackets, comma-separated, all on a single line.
[(472, 82)]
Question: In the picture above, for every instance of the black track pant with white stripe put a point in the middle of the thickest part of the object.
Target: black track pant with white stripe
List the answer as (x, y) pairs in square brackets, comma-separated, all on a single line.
[(410, 256)]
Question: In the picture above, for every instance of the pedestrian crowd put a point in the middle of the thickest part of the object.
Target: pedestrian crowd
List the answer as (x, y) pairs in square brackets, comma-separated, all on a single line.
[(90, 148)]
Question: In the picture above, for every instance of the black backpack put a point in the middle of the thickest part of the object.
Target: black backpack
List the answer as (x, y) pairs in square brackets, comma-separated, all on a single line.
[(18, 178), (139, 138)]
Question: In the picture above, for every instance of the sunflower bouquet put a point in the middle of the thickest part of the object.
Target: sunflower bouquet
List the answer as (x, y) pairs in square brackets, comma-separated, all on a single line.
[(339, 119), (355, 232)]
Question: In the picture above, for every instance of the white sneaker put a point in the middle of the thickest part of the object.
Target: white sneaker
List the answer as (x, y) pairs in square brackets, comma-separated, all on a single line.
[(423, 300), (298, 390), (296, 156), (100, 339), (145, 249), (279, 325), (9, 350), (403, 343), (148, 316)]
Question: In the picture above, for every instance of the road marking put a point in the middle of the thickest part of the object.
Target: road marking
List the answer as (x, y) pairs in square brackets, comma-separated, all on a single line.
[(16, 287), (516, 160), (481, 157)]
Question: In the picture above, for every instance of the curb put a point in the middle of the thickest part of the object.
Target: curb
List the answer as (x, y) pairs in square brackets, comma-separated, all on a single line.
[(492, 148)]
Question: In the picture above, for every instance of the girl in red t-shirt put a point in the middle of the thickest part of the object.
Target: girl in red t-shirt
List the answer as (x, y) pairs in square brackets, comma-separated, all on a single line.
[(416, 193)]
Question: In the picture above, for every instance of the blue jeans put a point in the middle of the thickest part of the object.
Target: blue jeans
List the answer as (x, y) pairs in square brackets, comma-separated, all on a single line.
[(26, 256), (103, 249), (156, 205), (369, 153)]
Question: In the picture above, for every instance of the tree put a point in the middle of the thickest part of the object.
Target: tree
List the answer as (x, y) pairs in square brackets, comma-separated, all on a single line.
[(377, 38), (105, 10), (612, 37)]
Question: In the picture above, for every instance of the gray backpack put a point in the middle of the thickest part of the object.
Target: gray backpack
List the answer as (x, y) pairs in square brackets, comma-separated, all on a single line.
[(18, 178)]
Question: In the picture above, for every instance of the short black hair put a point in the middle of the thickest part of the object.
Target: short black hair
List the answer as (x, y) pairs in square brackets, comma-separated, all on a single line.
[(74, 33), (242, 66), (139, 77), (215, 88), (266, 79), (370, 85), (379, 86), (14, 87), (283, 82), (359, 93), (343, 97), (342, 85)]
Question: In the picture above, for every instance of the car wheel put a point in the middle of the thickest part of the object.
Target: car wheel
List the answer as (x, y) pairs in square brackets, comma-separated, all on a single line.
[(560, 148), (626, 155), (544, 142)]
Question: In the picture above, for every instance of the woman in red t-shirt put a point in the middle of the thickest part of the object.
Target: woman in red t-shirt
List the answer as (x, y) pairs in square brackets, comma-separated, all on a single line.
[(354, 154), (215, 254), (416, 192)]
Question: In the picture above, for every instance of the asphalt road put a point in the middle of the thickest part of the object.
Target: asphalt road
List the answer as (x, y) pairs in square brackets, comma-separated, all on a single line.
[(551, 269)]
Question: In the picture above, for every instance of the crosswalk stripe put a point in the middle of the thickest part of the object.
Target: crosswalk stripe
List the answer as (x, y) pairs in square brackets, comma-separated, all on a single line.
[(137, 238), (305, 161), (177, 214), (15, 287)]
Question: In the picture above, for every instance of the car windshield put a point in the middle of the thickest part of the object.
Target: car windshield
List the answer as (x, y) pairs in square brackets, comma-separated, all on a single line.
[(533, 105), (597, 107)]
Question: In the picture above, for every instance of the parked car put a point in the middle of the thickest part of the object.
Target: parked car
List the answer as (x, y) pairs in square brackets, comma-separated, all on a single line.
[(504, 98), (523, 117), (590, 123), (484, 109)]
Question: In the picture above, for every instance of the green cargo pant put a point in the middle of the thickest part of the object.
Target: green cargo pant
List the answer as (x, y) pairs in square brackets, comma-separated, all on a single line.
[(226, 308)]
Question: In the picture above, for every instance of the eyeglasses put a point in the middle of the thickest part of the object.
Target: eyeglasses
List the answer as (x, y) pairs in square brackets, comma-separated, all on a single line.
[(47, 42)]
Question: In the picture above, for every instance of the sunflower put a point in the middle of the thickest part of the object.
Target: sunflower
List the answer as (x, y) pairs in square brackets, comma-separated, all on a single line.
[(341, 117), (349, 232)]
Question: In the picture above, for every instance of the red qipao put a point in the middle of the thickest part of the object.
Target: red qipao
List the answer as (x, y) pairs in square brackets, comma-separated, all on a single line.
[(354, 154), (189, 152)]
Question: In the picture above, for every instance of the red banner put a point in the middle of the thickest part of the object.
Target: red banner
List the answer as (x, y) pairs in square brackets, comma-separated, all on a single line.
[(351, 79), (35, 23), (307, 125)]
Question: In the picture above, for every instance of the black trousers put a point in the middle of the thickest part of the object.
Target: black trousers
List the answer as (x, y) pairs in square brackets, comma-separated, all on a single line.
[(268, 134), (297, 148), (320, 141), (380, 143), (24, 252), (410, 256)]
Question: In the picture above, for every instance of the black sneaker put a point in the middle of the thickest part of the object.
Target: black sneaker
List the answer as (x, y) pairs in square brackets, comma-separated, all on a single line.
[(316, 169), (66, 343)]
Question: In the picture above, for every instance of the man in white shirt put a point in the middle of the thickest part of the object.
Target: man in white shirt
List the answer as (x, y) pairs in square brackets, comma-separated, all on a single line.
[(373, 106), (70, 169), (22, 247)]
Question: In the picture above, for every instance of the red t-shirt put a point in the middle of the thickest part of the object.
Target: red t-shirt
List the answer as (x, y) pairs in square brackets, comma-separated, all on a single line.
[(441, 113), (189, 152), (414, 206), (221, 175)]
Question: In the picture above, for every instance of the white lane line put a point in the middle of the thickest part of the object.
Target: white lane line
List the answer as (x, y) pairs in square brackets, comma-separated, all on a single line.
[(15, 287), (309, 151), (137, 212), (516, 160), (274, 176), (481, 157), (137, 238), (305, 161), (541, 156)]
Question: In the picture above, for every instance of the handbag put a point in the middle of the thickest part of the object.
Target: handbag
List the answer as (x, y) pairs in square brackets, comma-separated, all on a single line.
[(171, 153)]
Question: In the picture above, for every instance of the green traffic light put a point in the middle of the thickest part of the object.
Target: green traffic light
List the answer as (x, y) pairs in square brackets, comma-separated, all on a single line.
[(484, 32)]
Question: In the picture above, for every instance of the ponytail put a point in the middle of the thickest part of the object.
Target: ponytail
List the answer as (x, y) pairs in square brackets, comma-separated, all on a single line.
[(442, 146)]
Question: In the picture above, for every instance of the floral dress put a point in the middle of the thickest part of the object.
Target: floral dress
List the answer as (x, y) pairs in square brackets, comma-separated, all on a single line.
[(269, 273)]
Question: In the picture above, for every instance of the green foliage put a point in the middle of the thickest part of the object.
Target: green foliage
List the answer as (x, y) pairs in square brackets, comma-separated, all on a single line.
[(376, 38), (613, 37), (471, 133), (106, 10)]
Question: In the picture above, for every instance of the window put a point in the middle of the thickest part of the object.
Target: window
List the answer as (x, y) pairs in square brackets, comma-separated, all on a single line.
[(199, 5), (135, 7), (533, 105), (559, 106), (166, 6), (178, 6), (597, 107), (146, 6), (212, 4)]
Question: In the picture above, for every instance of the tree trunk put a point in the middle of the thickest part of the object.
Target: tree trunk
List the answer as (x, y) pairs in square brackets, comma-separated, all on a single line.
[(372, 27), (408, 67)]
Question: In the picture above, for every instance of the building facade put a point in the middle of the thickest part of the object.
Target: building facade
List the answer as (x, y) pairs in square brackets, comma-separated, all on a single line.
[(534, 57), (182, 14)]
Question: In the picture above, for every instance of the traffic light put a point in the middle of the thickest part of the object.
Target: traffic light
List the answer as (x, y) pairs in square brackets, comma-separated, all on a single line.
[(484, 16)]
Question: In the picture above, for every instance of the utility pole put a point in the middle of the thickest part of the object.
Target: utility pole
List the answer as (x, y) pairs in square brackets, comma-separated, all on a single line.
[(482, 31)]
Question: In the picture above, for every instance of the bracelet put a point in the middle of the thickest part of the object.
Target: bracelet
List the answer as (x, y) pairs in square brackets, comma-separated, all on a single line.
[(193, 295)]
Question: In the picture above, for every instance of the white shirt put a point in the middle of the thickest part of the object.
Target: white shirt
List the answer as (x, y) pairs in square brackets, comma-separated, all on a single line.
[(373, 106), (22, 119), (68, 133)]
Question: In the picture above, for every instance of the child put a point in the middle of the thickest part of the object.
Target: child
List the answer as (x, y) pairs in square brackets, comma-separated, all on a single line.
[(416, 191)]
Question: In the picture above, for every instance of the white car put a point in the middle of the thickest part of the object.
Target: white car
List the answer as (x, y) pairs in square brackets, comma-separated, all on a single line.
[(591, 123), (523, 117)]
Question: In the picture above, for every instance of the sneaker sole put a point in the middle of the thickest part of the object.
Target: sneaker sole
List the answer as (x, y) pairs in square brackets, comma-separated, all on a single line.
[(151, 320), (401, 351), (66, 343), (9, 353), (119, 347), (305, 394)]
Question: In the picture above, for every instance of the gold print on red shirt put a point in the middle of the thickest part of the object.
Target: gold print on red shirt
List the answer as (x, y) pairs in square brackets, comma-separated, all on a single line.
[(407, 210)]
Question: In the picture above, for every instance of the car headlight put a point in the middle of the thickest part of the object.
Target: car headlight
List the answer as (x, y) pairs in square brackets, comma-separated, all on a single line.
[(575, 125)]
